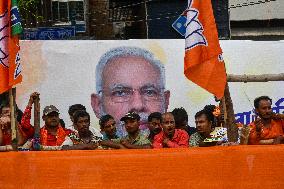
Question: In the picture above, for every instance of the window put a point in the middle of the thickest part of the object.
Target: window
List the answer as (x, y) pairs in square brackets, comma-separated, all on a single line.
[(66, 11)]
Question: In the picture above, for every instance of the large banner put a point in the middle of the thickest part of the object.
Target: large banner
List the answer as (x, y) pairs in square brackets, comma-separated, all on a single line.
[(143, 75)]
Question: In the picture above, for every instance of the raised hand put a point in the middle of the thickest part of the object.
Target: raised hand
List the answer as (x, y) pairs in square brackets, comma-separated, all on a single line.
[(258, 124), (33, 97)]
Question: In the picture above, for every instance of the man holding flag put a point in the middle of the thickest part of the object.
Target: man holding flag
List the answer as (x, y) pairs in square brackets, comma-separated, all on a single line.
[(10, 67), (203, 63), (10, 27)]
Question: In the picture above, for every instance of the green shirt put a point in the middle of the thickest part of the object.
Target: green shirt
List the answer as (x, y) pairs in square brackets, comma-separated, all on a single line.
[(140, 140), (195, 139)]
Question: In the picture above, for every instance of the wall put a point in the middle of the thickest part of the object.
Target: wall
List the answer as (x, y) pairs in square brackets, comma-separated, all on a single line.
[(262, 11)]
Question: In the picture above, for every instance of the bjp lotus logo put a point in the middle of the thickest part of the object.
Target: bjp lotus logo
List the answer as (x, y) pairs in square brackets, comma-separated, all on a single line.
[(194, 29), (4, 35)]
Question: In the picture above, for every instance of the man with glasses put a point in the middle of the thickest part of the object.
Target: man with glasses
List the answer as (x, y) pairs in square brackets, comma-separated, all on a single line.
[(129, 79)]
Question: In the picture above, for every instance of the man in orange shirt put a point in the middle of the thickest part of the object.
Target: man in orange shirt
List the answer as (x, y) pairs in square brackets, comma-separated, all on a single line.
[(52, 133), (268, 128)]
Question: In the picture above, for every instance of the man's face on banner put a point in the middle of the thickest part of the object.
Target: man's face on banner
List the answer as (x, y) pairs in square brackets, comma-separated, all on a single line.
[(130, 84)]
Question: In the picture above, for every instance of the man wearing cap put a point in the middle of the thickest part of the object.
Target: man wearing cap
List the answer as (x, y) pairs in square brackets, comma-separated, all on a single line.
[(52, 133), (135, 139), (170, 137)]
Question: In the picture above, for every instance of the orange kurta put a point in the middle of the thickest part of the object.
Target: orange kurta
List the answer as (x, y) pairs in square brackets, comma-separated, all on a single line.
[(276, 129)]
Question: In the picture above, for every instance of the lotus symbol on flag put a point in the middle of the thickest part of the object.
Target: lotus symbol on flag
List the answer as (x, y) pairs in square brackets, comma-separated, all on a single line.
[(4, 35), (194, 29)]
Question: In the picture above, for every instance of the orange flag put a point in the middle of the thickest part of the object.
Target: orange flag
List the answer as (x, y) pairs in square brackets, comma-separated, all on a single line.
[(10, 27), (203, 62)]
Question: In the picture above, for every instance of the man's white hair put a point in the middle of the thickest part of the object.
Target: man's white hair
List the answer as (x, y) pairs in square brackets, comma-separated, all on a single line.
[(125, 51)]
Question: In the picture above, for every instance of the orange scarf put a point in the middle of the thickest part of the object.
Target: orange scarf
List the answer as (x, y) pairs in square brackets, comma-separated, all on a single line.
[(60, 136)]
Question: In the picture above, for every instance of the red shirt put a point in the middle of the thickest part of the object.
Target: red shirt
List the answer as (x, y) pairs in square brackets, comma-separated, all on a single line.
[(179, 140), (25, 126), (7, 134), (7, 138)]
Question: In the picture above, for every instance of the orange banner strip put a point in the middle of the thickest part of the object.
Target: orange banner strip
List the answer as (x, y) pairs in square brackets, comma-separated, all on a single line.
[(216, 167)]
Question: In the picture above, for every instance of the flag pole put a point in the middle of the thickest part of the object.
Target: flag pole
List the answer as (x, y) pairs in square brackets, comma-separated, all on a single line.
[(230, 120), (12, 93)]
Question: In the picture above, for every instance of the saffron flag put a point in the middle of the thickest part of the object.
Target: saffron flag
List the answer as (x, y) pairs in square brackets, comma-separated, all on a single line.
[(10, 27), (203, 62)]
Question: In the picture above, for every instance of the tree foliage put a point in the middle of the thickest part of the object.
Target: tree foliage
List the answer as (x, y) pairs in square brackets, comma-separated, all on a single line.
[(29, 10)]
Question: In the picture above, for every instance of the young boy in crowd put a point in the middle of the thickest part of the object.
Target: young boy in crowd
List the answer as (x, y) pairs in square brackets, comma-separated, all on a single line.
[(108, 128), (72, 110), (84, 139)]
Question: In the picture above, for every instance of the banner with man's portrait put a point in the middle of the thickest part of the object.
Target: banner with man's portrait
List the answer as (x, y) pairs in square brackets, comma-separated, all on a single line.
[(115, 77)]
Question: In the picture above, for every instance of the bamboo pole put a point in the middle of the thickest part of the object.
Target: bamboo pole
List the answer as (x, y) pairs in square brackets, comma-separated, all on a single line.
[(224, 110), (37, 115), (12, 93), (230, 120), (12, 109), (255, 78), (36, 144)]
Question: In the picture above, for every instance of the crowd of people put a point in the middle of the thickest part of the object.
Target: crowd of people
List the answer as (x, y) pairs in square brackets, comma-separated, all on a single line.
[(165, 130)]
